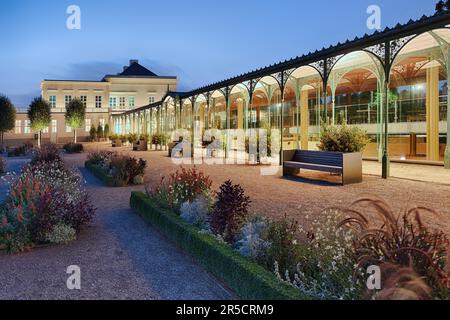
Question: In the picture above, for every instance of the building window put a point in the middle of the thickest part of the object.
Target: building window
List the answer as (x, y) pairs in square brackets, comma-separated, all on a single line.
[(122, 102), (18, 128), (102, 123), (88, 125), (45, 130), (84, 100), (26, 128), (131, 102), (52, 101), (68, 128), (67, 100), (98, 102), (113, 102), (151, 100), (54, 126)]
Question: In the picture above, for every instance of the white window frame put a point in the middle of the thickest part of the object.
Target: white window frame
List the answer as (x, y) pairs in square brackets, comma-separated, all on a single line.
[(67, 100), (18, 127), (27, 126), (88, 125), (84, 100), (102, 123), (52, 101), (151, 99), (68, 128), (131, 101), (98, 102), (54, 126), (113, 101), (122, 102)]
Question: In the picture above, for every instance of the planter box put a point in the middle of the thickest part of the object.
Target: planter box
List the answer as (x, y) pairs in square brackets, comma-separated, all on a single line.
[(140, 145), (117, 143), (348, 165), (248, 279)]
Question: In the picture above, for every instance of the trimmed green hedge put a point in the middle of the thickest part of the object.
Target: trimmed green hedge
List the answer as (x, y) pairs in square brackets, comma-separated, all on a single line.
[(248, 279), (103, 176)]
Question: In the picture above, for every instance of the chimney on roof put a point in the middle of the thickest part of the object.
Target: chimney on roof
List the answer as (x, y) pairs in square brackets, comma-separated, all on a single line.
[(133, 61)]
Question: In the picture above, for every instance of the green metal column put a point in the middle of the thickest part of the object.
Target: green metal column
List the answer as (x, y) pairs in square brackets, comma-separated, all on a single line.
[(385, 160), (447, 149)]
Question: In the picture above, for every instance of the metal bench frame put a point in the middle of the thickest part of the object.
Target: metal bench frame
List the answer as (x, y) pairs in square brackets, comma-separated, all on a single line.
[(348, 165)]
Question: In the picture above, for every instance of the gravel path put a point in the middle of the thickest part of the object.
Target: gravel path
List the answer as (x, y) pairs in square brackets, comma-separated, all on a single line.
[(298, 198), (119, 255)]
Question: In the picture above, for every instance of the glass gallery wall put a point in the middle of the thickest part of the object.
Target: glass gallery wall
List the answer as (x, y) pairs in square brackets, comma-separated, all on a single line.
[(405, 68)]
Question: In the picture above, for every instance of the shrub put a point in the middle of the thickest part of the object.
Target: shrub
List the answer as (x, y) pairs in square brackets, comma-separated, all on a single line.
[(106, 131), (157, 139), (144, 137), (196, 212), (113, 137), (252, 241), (343, 139), (100, 133), (62, 234), (101, 157), (47, 153), (93, 134), (132, 137), (44, 195), (323, 261), (230, 211), (183, 186), (401, 240), (124, 170), (284, 249), (22, 150), (73, 148)]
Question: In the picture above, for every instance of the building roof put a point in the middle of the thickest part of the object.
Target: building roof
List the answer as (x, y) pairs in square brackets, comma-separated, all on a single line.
[(135, 69)]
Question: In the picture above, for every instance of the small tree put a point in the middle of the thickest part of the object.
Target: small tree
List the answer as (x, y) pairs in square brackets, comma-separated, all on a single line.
[(7, 116), (39, 113), (106, 131), (100, 131), (75, 116), (93, 133)]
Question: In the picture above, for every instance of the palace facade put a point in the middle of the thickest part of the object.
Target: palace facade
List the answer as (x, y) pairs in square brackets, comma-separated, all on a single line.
[(114, 94)]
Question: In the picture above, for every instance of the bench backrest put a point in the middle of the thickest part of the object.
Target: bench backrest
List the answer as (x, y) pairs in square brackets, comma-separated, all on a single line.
[(319, 157)]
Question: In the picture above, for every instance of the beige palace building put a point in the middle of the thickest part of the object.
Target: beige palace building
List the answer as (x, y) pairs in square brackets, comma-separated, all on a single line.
[(135, 86)]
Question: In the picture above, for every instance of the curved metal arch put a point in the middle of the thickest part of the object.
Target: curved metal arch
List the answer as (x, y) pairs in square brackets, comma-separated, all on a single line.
[(317, 69), (370, 54), (394, 57), (204, 95), (265, 91), (247, 89), (291, 77)]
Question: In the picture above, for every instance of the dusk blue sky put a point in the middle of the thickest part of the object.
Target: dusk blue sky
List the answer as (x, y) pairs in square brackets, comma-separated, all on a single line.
[(200, 41)]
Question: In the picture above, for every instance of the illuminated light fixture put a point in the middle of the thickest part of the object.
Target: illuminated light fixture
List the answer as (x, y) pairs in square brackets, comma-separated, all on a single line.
[(403, 158)]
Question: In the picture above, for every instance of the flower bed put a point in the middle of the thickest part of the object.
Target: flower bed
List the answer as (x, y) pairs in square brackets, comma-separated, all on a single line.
[(246, 278), (45, 204), (328, 260), (116, 170), (73, 148)]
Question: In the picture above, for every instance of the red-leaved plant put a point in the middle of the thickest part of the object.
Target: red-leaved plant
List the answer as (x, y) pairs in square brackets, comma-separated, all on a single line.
[(230, 211)]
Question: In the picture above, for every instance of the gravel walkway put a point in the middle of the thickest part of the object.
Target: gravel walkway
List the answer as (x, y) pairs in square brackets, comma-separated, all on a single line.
[(119, 255), (274, 196)]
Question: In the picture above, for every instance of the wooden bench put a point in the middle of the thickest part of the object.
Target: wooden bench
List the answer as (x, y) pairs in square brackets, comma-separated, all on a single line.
[(348, 165)]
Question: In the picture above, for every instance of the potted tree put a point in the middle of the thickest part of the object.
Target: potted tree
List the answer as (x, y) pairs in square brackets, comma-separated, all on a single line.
[(100, 133), (75, 116), (39, 113), (7, 116)]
